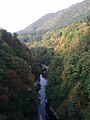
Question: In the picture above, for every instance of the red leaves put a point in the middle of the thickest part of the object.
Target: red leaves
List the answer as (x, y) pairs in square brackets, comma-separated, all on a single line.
[(15, 81), (4, 99)]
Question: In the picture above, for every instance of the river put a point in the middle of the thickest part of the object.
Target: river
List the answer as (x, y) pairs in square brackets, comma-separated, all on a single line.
[(43, 109)]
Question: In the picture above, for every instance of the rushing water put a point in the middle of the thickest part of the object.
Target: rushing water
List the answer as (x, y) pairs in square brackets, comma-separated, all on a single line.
[(43, 108)]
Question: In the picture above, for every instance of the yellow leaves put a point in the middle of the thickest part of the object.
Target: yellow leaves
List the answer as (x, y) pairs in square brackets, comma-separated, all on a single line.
[(73, 45), (32, 77), (72, 96), (35, 43), (63, 76), (78, 103)]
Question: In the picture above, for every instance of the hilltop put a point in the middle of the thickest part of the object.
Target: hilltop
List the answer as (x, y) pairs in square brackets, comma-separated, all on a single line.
[(59, 19)]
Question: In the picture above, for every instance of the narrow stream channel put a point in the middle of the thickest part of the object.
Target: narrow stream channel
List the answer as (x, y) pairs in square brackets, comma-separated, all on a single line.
[(43, 108)]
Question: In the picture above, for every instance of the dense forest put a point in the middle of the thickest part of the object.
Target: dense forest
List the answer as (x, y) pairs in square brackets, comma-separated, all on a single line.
[(67, 53), (18, 72), (64, 49), (69, 74)]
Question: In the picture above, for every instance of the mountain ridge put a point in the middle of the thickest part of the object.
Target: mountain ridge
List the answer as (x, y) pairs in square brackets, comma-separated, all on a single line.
[(59, 19)]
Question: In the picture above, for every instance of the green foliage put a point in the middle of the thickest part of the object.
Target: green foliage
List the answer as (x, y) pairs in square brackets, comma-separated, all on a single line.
[(43, 54), (2, 117), (68, 57), (68, 88), (18, 69), (36, 32)]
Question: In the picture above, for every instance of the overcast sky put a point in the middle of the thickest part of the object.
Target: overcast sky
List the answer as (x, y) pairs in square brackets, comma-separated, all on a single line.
[(18, 14)]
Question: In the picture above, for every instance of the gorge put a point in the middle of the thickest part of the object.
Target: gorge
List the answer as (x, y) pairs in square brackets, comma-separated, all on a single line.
[(45, 69), (44, 109)]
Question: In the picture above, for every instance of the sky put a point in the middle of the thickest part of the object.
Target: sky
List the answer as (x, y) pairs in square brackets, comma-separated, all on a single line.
[(16, 15)]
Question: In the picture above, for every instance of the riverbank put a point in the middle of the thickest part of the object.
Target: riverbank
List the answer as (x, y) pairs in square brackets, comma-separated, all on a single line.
[(44, 111)]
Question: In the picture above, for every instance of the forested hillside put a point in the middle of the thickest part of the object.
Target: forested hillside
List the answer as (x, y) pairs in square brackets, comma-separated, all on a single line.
[(75, 13), (61, 42), (67, 52), (69, 74), (18, 72)]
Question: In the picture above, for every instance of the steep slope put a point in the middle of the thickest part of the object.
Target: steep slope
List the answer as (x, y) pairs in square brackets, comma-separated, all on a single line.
[(60, 18), (33, 27), (69, 15), (18, 70), (69, 74), (68, 89)]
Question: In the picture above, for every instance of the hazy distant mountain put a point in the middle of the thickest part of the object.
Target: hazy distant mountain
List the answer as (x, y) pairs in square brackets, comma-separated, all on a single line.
[(59, 19)]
